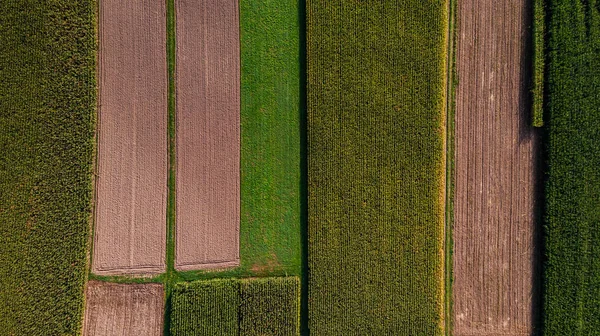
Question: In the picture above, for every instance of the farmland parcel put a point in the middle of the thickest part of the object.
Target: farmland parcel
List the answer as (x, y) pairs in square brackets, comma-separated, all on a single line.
[(130, 227), (123, 309), (208, 134), (376, 131), (266, 306), (496, 155), (47, 116), (572, 272)]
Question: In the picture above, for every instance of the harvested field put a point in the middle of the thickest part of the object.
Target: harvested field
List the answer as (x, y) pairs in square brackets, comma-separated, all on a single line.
[(123, 309), (208, 134), (130, 230), (494, 244)]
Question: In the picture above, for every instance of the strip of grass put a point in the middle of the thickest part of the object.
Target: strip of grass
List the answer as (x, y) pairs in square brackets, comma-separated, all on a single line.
[(572, 269), (270, 234), (224, 307), (376, 166), (47, 120), (539, 61)]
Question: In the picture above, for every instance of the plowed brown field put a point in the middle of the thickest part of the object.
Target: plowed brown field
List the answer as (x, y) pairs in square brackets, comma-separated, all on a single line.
[(131, 185), (496, 149), (123, 309), (208, 134)]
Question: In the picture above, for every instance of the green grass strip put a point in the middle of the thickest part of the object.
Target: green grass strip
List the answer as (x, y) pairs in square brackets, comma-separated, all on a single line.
[(376, 170), (572, 218), (539, 36), (47, 122)]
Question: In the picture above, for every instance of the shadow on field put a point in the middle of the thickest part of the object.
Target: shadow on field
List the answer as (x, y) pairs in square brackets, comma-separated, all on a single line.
[(304, 330)]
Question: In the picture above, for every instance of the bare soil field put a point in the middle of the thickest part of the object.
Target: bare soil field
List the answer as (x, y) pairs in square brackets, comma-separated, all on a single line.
[(123, 309), (494, 229), (131, 185), (208, 134)]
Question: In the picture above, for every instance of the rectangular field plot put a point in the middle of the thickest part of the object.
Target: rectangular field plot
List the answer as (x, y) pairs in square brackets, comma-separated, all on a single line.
[(130, 227), (124, 309), (264, 306), (208, 134), (494, 246)]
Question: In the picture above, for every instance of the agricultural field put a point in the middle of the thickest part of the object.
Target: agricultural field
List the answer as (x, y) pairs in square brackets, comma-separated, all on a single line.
[(572, 217), (47, 117), (376, 166), (208, 134), (495, 222), (124, 309), (223, 307), (131, 181)]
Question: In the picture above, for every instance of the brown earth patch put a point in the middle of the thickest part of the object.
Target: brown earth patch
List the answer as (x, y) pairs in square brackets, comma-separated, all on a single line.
[(271, 265), (494, 242), (123, 309), (131, 185), (208, 134)]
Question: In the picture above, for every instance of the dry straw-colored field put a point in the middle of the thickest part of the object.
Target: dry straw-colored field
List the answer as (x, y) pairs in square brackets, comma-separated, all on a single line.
[(495, 184), (130, 227), (123, 309), (208, 134)]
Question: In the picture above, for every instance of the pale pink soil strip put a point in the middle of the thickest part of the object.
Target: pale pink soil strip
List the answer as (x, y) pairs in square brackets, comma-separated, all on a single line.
[(130, 226), (208, 134), (123, 309), (496, 149)]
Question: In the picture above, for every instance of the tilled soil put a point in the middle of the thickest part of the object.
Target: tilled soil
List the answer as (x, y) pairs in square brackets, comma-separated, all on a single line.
[(131, 185), (208, 134), (494, 241), (123, 309)]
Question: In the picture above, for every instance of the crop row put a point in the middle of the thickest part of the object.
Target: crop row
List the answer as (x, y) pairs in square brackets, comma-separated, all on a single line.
[(539, 36), (572, 270), (47, 114), (267, 306), (376, 130)]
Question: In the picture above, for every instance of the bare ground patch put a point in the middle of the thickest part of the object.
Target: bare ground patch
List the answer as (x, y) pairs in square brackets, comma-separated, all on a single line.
[(494, 242), (208, 134), (123, 309), (131, 186)]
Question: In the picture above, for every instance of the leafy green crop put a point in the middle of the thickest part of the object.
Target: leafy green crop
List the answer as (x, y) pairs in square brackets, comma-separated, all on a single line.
[(224, 307), (539, 36), (376, 130), (572, 270), (47, 119)]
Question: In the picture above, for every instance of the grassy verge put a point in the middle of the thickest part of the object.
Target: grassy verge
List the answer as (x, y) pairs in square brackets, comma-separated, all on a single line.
[(47, 120), (451, 84), (376, 166), (572, 218), (539, 36), (224, 307)]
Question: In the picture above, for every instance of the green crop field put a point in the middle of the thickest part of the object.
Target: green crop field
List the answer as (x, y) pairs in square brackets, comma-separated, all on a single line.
[(270, 236), (539, 35), (572, 271), (224, 307), (47, 118), (376, 169)]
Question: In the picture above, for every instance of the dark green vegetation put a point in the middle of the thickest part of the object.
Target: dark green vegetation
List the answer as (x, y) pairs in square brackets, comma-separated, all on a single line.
[(270, 236), (268, 306), (572, 270), (539, 36), (376, 170), (47, 118)]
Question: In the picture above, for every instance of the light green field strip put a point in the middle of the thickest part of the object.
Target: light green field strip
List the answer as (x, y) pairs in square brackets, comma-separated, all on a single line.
[(376, 166)]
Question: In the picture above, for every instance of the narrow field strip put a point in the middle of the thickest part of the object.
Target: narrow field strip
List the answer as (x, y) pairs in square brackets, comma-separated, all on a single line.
[(123, 309), (572, 269), (496, 161), (47, 121), (376, 166), (208, 134), (258, 306), (131, 184)]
